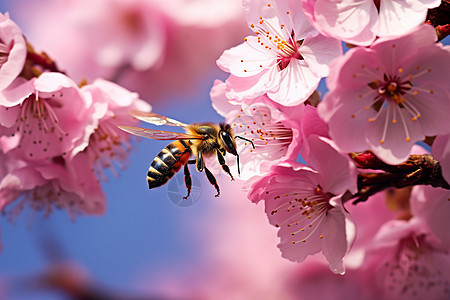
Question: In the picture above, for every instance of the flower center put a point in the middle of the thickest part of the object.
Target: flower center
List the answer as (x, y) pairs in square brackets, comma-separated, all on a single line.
[(105, 145), (38, 125), (396, 97), (270, 139), (303, 211), (278, 39), (391, 89)]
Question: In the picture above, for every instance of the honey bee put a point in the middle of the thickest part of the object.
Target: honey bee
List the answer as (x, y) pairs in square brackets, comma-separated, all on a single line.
[(199, 140)]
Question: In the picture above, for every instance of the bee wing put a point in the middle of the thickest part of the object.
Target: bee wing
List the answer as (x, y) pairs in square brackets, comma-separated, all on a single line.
[(155, 119), (159, 134)]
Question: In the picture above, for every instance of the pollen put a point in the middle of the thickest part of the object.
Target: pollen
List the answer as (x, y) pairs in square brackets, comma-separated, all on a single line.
[(408, 139), (382, 142)]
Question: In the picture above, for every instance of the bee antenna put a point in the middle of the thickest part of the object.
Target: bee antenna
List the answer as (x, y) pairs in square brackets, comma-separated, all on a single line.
[(242, 138), (239, 169)]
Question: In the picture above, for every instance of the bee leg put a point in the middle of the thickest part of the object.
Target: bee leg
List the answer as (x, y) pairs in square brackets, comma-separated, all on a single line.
[(200, 163), (212, 180), (221, 160), (187, 180)]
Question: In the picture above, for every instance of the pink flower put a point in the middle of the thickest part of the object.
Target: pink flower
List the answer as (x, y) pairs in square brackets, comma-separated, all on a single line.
[(306, 204), (48, 185), (105, 145), (273, 129), (359, 22), (406, 263), (43, 117), (286, 59), (388, 96), (13, 51), (69, 180), (441, 152), (431, 205)]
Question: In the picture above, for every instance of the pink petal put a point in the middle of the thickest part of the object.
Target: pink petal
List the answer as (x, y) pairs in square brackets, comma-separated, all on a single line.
[(394, 53), (347, 127), (10, 33), (397, 18), (354, 70), (346, 20), (334, 243), (240, 88), (8, 116), (441, 151), (16, 92), (51, 81), (246, 59), (432, 205), (433, 109), (337, 171), (219, 102), (319, 52), (297, 83), (396, 148)]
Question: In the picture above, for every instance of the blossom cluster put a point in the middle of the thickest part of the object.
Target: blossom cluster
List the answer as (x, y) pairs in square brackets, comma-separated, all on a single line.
[(386, 94), (56, 136), (143, 45)]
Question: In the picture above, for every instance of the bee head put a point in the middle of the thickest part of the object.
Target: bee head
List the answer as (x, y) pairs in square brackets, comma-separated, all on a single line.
[(226, 136)]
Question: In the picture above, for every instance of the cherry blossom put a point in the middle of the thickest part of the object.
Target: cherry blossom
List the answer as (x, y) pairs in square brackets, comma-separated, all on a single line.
[(286, 59), (68, 180), (306, 204), (13, 51), (360, 22), (40, 117), (389, 96), (407, 263), (48, 185), (105, 145), (270, 126)]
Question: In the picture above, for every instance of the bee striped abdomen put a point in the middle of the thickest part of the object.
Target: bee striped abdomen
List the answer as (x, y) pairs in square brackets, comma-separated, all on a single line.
[(168, 162)]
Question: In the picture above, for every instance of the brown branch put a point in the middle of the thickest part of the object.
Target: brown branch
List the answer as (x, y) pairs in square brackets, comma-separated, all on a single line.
[(416, 170)]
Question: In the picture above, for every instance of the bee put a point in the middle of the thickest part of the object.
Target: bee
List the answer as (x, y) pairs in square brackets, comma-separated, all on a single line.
[(200, 140)]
